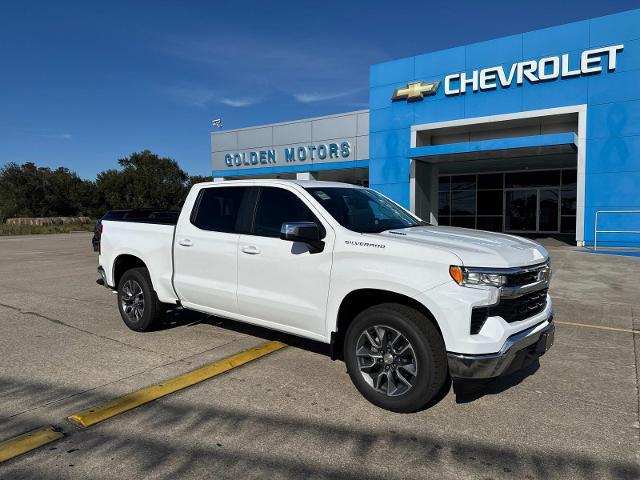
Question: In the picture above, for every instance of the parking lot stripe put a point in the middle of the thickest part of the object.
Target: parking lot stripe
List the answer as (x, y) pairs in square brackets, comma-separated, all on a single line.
[(28, 441), (601, 327), (91, 416)]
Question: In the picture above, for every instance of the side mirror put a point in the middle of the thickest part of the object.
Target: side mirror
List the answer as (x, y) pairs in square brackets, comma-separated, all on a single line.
[(306, 232)]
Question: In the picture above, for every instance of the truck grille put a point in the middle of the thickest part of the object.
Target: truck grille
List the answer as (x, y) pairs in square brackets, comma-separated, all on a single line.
[(523, 278), (526, 276), (520, 308), (511, 309)]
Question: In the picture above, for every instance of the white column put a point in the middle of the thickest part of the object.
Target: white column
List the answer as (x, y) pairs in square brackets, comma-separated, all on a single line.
[(305, 176), (582, 170)]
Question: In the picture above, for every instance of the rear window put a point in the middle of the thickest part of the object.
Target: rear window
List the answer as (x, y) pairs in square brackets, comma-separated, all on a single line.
[(217, 209)]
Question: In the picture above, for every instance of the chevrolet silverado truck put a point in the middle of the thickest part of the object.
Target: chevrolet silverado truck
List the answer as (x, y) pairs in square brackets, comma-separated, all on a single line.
[(406, 304)]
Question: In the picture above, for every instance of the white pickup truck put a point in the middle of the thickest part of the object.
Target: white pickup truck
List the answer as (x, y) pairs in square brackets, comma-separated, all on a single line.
[(404, 303)]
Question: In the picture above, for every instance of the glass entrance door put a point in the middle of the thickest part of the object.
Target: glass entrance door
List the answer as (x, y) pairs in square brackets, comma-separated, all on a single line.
[(532, 210), (521, 210), (548, 209), (519, 201)]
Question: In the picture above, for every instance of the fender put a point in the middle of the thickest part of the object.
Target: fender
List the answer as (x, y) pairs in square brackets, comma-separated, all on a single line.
[(336, 299)]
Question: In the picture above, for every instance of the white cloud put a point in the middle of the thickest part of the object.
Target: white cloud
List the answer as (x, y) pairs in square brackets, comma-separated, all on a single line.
[(42, 133), (302, 69), (56, 136), (312, 97), (239, 102), (202, 97), (193, 96)]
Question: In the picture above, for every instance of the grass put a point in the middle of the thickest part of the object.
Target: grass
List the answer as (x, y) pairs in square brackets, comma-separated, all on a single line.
[(42, 229)]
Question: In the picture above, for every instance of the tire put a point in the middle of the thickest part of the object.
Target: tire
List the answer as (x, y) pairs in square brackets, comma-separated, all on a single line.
[(423, 365), (137, 300)]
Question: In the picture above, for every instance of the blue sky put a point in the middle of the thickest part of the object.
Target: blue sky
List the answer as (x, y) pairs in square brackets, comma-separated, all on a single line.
[(85, 83)]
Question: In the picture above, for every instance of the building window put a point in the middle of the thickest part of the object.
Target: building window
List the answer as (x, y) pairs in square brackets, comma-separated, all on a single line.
[(527, 202)]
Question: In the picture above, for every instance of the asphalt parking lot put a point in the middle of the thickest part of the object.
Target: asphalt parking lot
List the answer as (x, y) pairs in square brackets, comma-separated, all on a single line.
[(295, 413)]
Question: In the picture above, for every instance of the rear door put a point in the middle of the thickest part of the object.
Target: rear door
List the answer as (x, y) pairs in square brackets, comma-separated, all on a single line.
[(206, 249), (279, 281)]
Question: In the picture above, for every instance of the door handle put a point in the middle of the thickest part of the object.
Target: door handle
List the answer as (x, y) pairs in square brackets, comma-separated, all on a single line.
[(251, 250), (185, 242)]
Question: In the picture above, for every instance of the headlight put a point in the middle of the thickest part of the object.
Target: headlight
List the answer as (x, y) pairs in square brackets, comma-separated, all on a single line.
[(465, 276)]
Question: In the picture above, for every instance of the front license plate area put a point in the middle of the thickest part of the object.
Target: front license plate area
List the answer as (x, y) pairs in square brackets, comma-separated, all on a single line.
[(545, 342)]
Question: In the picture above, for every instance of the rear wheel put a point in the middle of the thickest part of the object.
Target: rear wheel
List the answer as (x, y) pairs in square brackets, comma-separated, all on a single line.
[(395, 357), (137, 301)]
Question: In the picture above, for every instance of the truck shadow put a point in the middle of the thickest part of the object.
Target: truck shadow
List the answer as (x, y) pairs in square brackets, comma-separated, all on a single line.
[(466, 391), (180, 317), (186, 318)]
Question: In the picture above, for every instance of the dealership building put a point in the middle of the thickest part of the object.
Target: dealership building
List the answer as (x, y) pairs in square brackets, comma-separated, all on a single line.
[(534, 134)]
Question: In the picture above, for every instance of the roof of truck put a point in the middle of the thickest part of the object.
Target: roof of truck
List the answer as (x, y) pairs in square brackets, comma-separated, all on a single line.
[(277, 181)]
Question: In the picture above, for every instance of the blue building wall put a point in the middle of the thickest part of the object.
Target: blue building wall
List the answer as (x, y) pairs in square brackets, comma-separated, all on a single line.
[(612, 99)]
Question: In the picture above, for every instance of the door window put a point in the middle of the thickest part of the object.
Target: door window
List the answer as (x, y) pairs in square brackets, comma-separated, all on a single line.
[(217, 209), (277, 206)]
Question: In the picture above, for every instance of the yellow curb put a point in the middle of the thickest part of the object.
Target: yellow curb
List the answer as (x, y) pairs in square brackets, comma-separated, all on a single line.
[(91, 416), (28, 441)]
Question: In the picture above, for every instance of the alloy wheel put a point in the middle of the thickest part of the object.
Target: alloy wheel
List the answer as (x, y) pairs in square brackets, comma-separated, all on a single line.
[(387, 360), (132, 299)]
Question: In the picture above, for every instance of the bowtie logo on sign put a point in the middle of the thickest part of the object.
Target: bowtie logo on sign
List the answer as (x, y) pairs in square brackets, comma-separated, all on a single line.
[(589, 62), (415, 91)]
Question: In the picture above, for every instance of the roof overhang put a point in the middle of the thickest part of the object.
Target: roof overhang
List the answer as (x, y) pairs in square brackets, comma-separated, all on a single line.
[(510, 147)]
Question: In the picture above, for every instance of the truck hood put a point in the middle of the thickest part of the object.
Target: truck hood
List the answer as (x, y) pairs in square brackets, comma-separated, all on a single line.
[(475, 248)]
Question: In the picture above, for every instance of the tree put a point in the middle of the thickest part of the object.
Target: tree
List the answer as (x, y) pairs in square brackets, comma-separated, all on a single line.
[(30, 191), (145, 180), (198, 179)]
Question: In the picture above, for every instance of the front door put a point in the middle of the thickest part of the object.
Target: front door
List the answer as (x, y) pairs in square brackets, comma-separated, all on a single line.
[(282, 282), (532, 210)]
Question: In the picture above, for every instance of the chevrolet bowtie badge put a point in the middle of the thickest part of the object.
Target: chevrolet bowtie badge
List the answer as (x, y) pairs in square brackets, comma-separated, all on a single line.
[(415, 91)]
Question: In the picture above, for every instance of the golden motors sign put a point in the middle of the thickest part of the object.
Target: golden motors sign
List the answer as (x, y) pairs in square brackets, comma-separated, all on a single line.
[(333, 151)]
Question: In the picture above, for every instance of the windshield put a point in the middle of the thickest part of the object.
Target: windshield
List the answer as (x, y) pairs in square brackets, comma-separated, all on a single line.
[(362, 210)]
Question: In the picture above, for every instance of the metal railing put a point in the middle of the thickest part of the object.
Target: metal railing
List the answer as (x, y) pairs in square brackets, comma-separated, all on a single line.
[(596, 231)]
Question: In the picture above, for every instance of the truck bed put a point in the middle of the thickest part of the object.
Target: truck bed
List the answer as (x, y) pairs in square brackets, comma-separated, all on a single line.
[(149, 240)]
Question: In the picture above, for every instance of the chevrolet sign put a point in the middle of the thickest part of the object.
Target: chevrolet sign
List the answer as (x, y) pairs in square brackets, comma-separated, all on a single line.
[(534, 71)]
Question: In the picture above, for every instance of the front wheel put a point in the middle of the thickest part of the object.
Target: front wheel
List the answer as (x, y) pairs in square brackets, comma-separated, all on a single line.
[(137, 300), (395, 357)]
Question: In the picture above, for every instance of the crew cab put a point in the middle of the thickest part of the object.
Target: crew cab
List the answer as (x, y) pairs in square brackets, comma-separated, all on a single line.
[(405, 303)]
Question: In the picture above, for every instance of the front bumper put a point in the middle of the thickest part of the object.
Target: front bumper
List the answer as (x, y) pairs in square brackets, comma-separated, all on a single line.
[(518, 351)]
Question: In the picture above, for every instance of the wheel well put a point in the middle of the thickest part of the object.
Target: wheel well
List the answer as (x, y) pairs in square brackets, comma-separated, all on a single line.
[(359, 300), (124, 263)]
